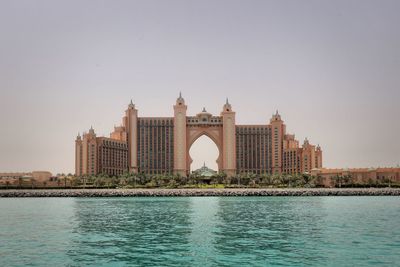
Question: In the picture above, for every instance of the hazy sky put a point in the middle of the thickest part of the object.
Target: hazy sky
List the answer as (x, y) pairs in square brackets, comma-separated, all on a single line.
[(332, 68)]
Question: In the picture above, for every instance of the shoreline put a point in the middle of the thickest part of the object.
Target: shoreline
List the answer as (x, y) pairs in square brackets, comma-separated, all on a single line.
[(10, 193)]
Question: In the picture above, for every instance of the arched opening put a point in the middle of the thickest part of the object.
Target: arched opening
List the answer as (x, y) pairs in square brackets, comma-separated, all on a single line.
[(204, 151)]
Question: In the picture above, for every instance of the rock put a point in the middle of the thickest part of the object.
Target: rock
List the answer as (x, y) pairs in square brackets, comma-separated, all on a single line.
[(202, 192)]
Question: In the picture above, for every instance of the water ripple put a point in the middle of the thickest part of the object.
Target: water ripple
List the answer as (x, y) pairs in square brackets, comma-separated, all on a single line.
[(202, 231)]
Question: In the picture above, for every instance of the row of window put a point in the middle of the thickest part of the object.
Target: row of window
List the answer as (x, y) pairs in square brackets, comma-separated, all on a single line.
[(155, 149), (253, 150), (155, 122)]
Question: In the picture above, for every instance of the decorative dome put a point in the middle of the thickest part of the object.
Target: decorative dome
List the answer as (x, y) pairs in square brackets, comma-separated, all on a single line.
[(204, 117), (204, 171), (204, 111)]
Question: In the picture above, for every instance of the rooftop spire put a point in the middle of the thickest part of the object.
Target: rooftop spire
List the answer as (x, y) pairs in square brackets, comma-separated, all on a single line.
[(180, 98), (91, 130), (227, 107), (131, 105), (204, 110)]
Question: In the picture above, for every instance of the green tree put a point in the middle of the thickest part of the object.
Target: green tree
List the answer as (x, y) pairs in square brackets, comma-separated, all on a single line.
[(266, 179), (277, 179), (32, 183)]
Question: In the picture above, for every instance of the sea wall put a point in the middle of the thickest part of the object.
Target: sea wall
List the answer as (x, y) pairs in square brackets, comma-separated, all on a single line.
[(201, 192)]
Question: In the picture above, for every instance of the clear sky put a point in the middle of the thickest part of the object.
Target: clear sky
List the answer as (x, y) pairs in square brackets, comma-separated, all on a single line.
[(332, 68)]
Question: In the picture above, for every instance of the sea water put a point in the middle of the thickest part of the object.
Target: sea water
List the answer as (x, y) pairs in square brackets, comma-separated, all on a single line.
[(200, 231)]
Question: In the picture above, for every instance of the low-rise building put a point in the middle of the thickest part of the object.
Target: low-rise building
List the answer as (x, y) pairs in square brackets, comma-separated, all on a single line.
[(16, 177), (358, 175)]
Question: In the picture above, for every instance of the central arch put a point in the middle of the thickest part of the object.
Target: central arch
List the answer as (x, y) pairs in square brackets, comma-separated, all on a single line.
[(214, 133), (204, 151)]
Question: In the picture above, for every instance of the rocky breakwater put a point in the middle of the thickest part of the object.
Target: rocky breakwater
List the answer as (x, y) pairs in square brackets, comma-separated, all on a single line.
[(202, 192)]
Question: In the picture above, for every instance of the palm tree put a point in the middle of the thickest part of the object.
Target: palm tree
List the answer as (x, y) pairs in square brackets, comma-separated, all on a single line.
[(276, 179), (99, 180), (76, 180), (266, 179), (83, 181), (172, 183), (290, 180), (226, 180), (285, 180), (122, 181), (318, 180), (123, 178), (114, 181), (32, 182), (338, 180), (348, 179), (20, 182)]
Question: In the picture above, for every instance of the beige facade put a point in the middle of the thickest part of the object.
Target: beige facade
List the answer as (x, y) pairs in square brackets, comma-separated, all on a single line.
[(161, 145), (14, 177), (228, 140), (94, 155), (358, 175), (180, 141)]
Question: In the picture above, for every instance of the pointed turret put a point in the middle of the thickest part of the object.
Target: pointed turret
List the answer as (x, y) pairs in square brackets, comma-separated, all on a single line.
[(131, 105), (227, 107), (276, 117), (306, 142), (180, 101)]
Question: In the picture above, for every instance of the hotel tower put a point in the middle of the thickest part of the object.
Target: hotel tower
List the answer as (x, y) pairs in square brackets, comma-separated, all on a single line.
[(160, 145)]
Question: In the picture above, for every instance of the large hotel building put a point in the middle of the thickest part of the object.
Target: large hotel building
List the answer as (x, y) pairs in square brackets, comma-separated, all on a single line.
[(160, 145)]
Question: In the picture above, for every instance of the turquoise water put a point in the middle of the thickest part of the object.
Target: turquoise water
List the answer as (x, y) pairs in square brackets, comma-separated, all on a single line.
[(208, 231)]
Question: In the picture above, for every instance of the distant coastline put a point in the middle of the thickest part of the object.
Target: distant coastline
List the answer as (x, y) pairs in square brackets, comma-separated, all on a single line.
[(201, 192)]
